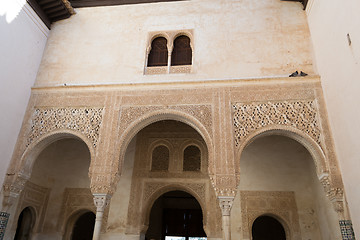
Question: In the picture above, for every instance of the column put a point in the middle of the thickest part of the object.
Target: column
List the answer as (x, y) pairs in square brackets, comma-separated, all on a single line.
[(101, 200), (225, 205), (170, 48)]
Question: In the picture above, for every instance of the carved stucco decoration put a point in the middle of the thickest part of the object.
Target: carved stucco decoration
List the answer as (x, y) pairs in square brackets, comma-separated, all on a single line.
[(280, 205), (202, 113), (132, 117), (86, 120), (147, 185), (12, 187), (139, 209), (104, 180), (334, 191), (36, 197), (181, 69), (150, 191), (224, 185), (151, 188), (77, 199), (301, 114)]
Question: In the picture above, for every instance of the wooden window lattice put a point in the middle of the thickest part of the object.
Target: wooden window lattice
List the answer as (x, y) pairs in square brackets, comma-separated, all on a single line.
[(158, 55)]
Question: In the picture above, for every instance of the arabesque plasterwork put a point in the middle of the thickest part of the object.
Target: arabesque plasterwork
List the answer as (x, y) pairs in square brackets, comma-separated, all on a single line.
[(301, 114), (36, 197), (226, 116), (86, 120), (280, 205)]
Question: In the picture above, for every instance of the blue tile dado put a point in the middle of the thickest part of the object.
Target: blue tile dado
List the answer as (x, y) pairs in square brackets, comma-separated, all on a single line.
[(347, 231), (4, 217)]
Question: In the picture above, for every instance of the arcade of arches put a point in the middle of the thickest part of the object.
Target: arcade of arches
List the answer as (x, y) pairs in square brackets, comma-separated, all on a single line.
[(205, 165)]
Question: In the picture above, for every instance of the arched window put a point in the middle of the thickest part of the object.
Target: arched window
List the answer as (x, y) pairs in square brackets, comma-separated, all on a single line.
[(25, 224), (158, 55), (267, 228), (160, 159), (192, 159), (182, 53)]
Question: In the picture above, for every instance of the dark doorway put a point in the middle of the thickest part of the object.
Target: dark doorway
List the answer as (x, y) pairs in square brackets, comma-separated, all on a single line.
[(268, 228), (176, 215), (84, 227), (25, 224)]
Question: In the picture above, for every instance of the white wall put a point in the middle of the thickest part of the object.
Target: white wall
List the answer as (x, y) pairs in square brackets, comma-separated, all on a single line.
[(232, 39), (22, 41), (339, 64)]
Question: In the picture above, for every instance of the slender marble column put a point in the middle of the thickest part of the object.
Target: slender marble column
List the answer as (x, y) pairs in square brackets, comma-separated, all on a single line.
[(225, 205), (169, 60), (101, 201)]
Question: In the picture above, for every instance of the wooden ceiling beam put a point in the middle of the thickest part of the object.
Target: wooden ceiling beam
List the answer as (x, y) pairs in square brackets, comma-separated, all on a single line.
[(96, 3)]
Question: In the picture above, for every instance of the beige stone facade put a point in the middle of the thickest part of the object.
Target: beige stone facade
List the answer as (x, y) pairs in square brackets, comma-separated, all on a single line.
[(262, 144)]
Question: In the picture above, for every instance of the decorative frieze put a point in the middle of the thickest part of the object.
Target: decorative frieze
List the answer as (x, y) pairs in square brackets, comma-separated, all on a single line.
[(86, 120), (301, 114)]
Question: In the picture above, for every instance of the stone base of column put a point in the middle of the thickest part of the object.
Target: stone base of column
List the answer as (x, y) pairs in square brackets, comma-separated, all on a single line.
[(4, 217), (347, 231)]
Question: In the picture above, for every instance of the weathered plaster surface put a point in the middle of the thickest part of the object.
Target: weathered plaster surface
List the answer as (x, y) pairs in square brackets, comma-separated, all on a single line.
[(231, 39)]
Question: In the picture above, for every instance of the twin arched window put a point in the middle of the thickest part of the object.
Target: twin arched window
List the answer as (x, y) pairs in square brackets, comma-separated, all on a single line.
[(191, 158), (181, 53)]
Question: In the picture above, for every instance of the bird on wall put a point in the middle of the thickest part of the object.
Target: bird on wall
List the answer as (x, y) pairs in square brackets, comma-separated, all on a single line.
[(296, 74), (303, 74)]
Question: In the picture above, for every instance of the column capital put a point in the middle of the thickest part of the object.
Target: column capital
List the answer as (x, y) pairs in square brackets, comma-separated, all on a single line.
[(225, 203), (101, 200)]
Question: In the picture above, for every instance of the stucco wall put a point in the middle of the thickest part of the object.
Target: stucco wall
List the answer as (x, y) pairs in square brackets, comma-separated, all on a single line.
[(116, 228), (231, 39), (338, 64), (22, 42)]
